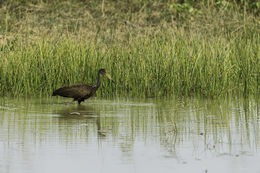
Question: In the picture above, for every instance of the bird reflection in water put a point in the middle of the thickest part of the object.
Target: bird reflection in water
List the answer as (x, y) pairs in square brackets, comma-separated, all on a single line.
[(82, 115)]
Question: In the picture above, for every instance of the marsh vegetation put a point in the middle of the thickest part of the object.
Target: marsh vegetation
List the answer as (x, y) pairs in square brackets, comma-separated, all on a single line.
[(151, 48)]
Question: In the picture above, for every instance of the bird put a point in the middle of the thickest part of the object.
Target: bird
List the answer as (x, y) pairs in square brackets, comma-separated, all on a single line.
[(81, 92)]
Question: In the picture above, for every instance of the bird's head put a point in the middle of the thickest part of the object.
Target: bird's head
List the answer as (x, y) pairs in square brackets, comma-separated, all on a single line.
[(103, 72)]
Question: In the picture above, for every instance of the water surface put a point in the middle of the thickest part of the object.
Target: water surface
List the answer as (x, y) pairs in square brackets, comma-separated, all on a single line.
[(120, 135)]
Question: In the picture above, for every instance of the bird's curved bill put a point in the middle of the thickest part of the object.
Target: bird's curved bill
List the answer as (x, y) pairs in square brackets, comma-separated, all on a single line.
[(109, 77)]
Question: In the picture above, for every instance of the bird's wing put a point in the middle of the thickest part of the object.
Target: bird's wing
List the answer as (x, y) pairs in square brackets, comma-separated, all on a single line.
[(74, 91)]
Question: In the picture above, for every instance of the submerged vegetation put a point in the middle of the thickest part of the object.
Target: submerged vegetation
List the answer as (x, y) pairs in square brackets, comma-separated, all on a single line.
[(151, 48)]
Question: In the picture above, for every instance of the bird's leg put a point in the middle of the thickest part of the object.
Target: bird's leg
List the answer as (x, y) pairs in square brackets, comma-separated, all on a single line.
[(82, 99), (79, 101)]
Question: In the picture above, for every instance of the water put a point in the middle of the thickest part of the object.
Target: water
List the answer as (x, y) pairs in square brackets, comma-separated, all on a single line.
[(152, 135)]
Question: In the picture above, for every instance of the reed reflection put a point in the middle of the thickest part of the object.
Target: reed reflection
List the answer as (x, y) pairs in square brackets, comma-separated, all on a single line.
[(223, 126)]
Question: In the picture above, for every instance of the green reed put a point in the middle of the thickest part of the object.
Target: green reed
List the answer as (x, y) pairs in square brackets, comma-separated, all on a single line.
[(150, 48), (170, 63)]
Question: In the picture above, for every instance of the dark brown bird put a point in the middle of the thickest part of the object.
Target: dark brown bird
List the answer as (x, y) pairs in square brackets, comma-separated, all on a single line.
[(82, 91)]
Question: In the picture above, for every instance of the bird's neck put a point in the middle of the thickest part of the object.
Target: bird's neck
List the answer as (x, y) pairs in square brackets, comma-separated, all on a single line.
[(98, 81)]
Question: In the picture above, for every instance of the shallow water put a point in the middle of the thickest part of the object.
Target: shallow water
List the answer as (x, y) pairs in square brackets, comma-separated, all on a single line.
[(186, 135)]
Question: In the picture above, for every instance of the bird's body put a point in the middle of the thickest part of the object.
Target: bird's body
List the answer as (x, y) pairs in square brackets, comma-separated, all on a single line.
[(77, 92), (82, 91)]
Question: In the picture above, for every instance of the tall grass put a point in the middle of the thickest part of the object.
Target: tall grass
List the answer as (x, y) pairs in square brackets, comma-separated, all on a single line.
[(205, 50), (167, 64)]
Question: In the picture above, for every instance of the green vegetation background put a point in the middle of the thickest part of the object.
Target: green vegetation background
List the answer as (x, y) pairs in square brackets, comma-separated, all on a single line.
[(151, 48)]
